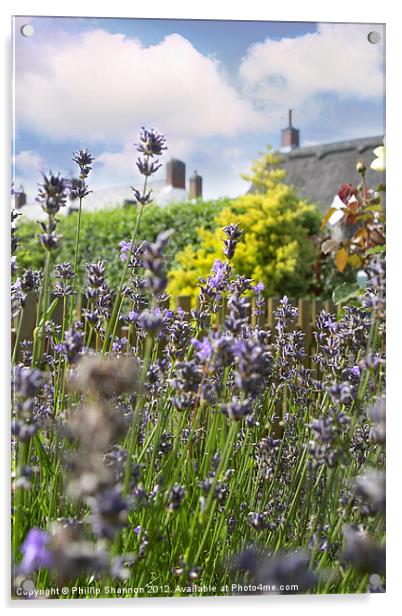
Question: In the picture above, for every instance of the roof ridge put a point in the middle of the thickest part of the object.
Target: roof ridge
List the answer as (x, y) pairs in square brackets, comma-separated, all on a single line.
[(319, 148)]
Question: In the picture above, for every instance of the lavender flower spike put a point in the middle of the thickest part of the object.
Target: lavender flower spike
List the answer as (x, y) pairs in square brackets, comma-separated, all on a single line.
[(233, 234), (152, 143), (35, 551), (52, 193)]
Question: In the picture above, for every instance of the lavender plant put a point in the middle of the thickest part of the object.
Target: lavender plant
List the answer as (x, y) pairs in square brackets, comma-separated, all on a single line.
[(192, 453)]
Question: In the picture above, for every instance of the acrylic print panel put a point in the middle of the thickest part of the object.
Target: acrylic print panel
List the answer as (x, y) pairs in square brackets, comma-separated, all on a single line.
[(198, 306)]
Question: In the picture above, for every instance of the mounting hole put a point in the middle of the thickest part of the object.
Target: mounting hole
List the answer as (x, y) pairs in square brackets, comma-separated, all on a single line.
[(29, 585), (27, 30), (374, 37)]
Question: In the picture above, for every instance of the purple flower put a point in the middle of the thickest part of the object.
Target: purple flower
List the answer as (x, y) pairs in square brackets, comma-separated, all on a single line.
[(49, 237), (35, 551), (84, 159), (233, 234), (240, 284), (204, 349), (79, 189), (142, 199), (239, 313), (355, 371), (151, 320), (73, 343), (221, 272), (64, 271), (18, 297), (119, 344), (133, 316), (285, 315), (146, 168), (152, 143), (237, 409), (125, 248), (28, 382), (153, 261), (179, 333), (212, 287), (253, 365), (259, 288), (52, 193), (175, 497)]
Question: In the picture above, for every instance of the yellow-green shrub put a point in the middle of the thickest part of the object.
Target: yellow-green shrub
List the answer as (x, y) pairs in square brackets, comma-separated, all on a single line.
[(276, 247)]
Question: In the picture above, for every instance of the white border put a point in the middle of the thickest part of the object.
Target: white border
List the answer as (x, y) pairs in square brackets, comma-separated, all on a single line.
[(308, 10)]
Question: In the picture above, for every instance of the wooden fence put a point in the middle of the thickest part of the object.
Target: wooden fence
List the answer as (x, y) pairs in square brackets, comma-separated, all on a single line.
[(308, 309)]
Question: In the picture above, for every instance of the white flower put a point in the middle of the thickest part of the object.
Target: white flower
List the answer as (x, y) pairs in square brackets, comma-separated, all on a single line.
[(338, 206), (378, 164)]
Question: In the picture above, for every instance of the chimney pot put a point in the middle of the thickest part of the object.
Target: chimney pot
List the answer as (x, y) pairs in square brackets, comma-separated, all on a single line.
[(290, 136), (195, 189)]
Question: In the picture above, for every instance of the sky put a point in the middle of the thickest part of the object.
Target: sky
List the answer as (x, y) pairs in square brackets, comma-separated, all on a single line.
[(219, 90)]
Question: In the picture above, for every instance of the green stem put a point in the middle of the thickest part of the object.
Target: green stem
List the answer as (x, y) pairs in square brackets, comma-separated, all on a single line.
[(60, 366), (112, 324), (17, 338), (222, 464), (76, 251), (45, 301), (136, 414)]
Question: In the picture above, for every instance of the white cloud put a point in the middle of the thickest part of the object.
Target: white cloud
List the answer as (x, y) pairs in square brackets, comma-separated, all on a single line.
[(120, 166), (97, 86), (28, 166), (117, 165), (100, 88), (299, 72), (28, 163)]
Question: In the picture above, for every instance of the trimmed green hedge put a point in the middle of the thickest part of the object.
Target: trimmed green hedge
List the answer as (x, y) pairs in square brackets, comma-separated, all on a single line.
[(102, 232)]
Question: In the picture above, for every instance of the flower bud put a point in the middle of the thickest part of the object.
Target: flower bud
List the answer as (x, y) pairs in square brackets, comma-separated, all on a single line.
[(361, 167)]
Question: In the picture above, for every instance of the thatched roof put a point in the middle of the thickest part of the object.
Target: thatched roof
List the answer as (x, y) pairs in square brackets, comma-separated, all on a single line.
[(318, 171)]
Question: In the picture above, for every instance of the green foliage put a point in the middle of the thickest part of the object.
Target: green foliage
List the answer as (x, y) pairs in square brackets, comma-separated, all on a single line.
[(102, 232), (266, 171), (344, 292), (276, 247)]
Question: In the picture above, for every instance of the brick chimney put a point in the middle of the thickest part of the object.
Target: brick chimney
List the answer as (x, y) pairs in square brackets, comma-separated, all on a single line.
[(290, 136), (176, 173), (195, 190)]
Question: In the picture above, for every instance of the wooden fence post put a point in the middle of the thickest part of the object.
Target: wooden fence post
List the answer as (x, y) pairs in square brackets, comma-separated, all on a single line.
[(308, 310), (305, 322), (184, 302), (272, 305), (28, 317)]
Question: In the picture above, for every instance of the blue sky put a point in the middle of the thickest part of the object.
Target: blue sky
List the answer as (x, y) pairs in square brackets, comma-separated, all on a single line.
[(220, 90)]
